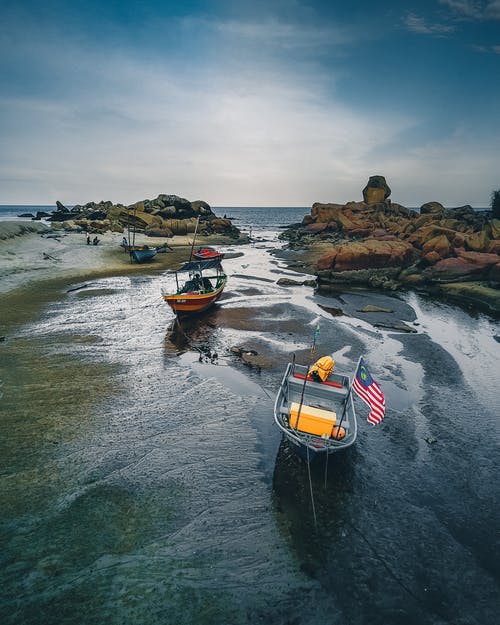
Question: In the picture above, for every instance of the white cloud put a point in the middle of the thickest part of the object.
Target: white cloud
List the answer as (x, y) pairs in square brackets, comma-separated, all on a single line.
[(462, 169), (229, 135), (257, 132), (474, 9), (417, 24)]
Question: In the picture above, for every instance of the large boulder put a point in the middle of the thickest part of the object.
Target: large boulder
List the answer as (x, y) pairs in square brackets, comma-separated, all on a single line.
[(368, 254), (495, 228), (376, 190), (432, 208), (478, 242), (438, 244), (466, 266)]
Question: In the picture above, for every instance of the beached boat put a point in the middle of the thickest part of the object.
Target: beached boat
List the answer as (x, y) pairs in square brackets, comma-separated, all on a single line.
[(316, 417), (200, 291), (143, 255), (208, 253)]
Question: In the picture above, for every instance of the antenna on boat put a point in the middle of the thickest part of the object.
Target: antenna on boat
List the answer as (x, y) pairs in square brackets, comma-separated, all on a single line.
[(194, 237), (313, 349)]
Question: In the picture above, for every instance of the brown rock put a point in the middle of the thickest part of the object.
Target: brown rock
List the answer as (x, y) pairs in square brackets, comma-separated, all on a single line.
[(314, 228), (367, 254), (433, 208), (326, 261), (326, 212), (334, 312), (376, 190), (438, 244), (494, 273), (468, 266), (478, 242), (495, 228), (478, 258), (432, 258), (458, 240), (494, 247), (369, 308)]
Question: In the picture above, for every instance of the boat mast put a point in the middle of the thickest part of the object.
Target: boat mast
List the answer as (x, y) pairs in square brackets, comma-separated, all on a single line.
[(194, 237)]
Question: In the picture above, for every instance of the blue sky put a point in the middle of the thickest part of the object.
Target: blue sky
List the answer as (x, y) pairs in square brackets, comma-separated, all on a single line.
[(249, 103)]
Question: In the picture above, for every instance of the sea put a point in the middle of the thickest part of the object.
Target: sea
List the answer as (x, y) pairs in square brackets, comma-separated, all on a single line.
[(246, 217), (142, 478)]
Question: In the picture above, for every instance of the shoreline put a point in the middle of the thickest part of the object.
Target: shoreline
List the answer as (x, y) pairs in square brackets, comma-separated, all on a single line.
[(30, 255), (37, 264)]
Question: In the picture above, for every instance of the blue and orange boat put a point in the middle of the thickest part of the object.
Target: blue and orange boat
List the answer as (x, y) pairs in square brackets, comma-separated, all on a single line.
[(200, 291)]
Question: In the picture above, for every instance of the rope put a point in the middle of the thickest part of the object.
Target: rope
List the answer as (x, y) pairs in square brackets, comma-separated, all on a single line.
[(311, 487), (326, 467)]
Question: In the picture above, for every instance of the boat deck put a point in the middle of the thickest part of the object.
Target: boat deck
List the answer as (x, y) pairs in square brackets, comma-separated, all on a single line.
[(330, 395)]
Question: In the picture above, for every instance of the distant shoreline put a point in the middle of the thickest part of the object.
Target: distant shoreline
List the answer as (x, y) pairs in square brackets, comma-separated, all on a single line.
[(30, 252)]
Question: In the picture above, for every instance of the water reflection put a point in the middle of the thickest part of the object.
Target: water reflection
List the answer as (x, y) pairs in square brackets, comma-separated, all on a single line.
[(311, 506)]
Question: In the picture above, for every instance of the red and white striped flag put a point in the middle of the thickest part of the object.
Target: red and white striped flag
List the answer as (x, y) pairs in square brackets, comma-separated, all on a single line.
[(370, 392)]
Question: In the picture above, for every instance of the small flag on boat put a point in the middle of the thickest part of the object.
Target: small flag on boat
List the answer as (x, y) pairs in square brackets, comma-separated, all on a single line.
[(316, 334), (370, 392)]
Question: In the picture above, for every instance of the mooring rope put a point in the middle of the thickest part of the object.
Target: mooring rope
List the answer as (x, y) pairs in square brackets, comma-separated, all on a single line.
[(326, 467), (311, 487)]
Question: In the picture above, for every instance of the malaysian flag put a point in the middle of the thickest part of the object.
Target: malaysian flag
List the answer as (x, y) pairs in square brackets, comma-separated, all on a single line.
[(370, 392)]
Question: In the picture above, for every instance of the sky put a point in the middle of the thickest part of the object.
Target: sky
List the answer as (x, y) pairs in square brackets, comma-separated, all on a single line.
[(277, 103)]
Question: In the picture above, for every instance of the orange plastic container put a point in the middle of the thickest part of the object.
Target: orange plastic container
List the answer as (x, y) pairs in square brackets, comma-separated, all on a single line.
[(312, 420)]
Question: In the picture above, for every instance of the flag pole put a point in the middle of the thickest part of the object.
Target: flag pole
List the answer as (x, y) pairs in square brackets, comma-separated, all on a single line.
[(349, 392)]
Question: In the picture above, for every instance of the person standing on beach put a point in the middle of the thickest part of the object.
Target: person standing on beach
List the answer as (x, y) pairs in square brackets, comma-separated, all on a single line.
[(88, 239)]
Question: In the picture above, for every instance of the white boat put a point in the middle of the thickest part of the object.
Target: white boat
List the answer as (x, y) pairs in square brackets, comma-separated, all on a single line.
[(316, 418)]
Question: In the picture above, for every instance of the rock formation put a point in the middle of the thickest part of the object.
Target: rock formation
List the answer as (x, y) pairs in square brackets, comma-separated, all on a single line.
[(164, 216), (379, 243)]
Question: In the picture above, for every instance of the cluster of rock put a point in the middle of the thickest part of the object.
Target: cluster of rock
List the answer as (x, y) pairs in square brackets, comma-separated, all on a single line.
[(164, 216), (378, 243)]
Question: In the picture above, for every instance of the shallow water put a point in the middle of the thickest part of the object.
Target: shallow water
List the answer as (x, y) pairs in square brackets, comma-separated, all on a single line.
[(143, 480)]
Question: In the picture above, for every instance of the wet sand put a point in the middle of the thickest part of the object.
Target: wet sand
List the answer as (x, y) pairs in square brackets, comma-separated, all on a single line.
[(143, 479)]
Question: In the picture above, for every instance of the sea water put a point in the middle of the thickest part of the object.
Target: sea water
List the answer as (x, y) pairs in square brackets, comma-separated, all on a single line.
[(143, 481)]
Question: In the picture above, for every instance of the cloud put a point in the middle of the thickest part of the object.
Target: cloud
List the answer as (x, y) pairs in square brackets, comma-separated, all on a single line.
[(435, 170), (474, 9), (486, 49), (137, 127), (418, 25), (239, 117)]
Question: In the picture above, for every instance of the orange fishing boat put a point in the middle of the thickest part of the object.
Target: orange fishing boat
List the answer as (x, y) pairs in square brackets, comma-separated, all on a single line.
[(200, 291)]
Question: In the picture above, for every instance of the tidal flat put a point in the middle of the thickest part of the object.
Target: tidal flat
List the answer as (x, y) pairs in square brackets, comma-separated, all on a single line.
[(142, 478)]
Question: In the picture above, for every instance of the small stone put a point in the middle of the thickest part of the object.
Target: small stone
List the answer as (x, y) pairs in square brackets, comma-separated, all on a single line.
[(371, 308)]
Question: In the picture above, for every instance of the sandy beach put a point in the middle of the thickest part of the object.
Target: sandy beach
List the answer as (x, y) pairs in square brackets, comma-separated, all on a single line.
[(33, 252)]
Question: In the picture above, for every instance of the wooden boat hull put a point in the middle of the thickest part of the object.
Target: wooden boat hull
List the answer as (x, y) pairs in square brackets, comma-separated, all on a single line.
[(332, 397), (192, 303), (144, 255)]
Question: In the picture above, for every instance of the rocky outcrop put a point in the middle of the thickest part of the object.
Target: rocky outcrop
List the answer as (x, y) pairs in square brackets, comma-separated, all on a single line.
[(376, 190), (367, 254), (382, 244), (166, 215)]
